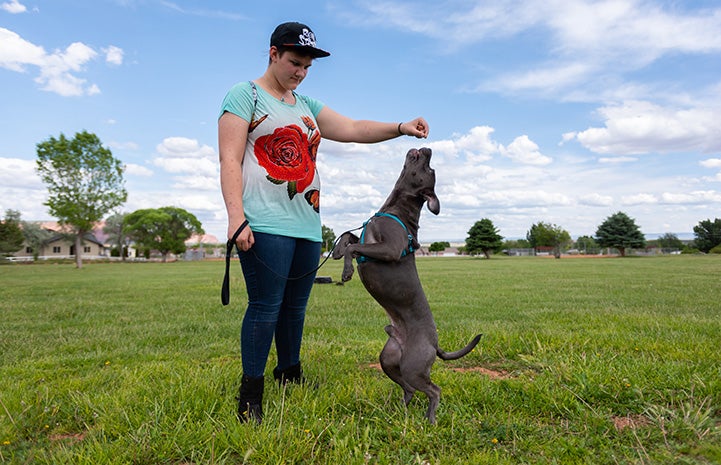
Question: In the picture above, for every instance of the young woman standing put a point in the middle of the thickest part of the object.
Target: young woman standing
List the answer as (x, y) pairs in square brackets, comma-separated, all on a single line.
[(268, 138)]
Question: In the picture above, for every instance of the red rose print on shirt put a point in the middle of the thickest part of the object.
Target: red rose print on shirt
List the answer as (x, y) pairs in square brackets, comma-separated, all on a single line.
[(288, 156)]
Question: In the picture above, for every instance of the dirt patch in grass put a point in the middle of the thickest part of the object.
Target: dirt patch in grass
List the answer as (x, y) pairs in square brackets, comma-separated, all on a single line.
[(375, 366), (491, 373), (68, 437), (630, 421)]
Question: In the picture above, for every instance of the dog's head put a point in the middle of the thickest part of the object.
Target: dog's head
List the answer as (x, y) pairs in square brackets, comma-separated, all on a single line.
[(420, 178)]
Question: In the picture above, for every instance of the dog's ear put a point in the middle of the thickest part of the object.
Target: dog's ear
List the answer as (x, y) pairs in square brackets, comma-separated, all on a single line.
[(434, 205)]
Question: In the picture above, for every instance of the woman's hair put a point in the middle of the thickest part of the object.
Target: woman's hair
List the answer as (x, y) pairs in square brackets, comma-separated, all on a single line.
[(283, 48)]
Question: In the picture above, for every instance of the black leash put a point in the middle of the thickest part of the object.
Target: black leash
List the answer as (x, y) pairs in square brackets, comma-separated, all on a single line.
[(225, 291)]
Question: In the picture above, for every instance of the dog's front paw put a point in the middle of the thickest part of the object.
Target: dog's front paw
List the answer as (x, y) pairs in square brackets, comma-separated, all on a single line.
[(347, 273)]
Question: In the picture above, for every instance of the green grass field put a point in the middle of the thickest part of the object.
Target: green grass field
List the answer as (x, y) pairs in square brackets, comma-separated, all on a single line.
[(588, 361)]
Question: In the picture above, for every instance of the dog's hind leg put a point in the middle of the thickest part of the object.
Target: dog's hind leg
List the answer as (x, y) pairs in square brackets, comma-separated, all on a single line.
[(424, 384), (390, 359), (434, 398), (416, 371)]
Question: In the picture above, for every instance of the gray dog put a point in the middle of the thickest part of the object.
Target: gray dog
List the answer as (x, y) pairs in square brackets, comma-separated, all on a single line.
[(387, 268)]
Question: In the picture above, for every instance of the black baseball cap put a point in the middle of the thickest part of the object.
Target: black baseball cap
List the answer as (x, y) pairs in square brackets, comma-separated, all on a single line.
[(298, 36)]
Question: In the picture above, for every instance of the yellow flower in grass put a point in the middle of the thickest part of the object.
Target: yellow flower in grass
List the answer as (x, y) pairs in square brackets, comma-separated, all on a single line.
[(494, 441)]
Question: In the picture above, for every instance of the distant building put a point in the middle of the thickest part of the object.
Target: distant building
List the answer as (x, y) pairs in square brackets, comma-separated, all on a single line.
[(62, 246)]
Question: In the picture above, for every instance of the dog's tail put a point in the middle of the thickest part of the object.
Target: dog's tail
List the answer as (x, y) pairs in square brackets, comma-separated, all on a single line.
[(459, 353)]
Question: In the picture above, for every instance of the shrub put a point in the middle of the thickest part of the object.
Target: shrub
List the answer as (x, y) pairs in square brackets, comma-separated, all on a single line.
[(716, 249)]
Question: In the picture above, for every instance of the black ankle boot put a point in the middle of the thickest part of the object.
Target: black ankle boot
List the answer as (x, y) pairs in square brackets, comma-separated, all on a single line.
[(293, 374), (250, 399)]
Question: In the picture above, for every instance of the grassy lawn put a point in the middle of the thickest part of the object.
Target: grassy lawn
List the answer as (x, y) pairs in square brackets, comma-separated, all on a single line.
[(598, 361)]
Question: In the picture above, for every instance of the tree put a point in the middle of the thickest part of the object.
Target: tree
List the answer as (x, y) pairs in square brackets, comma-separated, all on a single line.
[(483, 238), (114, 229), (587, 244), (516, 244), (708, 234), (84, 182), (548, 235), (328, 237), (438, 246), (163, 229), (621, 232), (669, 241), (11, 234), (35, 237)]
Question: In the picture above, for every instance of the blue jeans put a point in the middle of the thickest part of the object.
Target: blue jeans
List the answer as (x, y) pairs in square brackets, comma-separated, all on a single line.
[(276, 304)]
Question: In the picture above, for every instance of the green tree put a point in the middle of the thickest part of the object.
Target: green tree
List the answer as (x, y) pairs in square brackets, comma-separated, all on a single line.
[(163, 229), (548, 235), (483, 238), (11, 234), (84, 182), (439, 246), (587, 244), (35, 237), (516, 244), (669, 241), (708, 234), (328, 237), (114, 225), (621, 232)]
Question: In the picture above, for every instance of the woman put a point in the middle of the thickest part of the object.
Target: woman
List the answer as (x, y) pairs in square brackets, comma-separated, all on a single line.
[(268, 137)]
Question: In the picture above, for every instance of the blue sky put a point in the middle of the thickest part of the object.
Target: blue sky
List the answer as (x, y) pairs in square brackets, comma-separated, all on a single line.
[(562, 111)]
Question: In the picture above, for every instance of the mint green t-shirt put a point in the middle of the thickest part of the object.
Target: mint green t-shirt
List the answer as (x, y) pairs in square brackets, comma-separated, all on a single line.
[(281, 186)]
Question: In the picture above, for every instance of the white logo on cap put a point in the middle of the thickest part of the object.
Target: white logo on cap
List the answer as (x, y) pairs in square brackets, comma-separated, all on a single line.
[(307, 38)]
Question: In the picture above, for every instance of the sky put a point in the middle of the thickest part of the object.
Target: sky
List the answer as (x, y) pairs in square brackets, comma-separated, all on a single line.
[(560, 111)]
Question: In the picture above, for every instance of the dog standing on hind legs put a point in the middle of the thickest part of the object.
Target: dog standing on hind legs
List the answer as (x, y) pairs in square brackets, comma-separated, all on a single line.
[(387, 268)]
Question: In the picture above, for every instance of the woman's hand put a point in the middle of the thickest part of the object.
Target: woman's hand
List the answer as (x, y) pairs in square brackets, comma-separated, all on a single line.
[(416, 128), (245, 239)]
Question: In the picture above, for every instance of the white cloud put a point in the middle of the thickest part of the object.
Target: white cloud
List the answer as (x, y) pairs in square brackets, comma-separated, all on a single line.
[(196, 183), (638, 127), (137, 170), (16, 53), (13, 7), (597, 200), (593, 41), (114, 55), (17, 172), (711, 163), (197, 202), (477, 145), (22, 189), (196, 164), (617, 160), (549, 77), (58, 71), (524, 150), (183, 147), (639, 199), (122, 145)]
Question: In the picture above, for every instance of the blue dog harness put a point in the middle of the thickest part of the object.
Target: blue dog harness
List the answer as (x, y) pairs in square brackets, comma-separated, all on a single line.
[(410, 249)]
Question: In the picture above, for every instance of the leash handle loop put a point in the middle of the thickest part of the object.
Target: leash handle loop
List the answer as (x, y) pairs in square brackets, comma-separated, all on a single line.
[(225, 291)]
